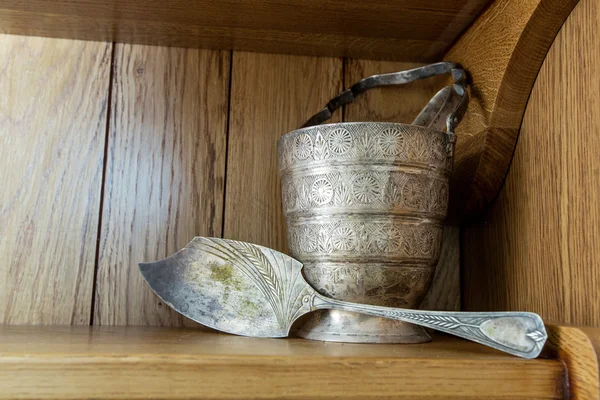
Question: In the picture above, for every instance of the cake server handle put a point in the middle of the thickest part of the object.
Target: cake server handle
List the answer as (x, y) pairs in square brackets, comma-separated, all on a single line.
[(519, 333)]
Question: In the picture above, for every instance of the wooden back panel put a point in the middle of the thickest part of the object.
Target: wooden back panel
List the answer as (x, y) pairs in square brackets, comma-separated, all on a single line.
[(52, 134), (167, 144)]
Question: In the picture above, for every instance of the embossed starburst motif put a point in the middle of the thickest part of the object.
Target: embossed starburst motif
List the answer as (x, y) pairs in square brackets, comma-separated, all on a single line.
[(412, 193), (389, 240), (303, 146), (365, 189), (391, 142), (340, 141), (344, 238), (321, 191)]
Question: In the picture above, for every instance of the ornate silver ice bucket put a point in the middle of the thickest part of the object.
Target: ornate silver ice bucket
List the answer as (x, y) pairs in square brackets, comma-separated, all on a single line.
[(365, 204)]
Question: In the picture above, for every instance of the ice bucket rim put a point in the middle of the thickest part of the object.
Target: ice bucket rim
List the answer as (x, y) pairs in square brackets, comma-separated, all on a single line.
[(299, 131)]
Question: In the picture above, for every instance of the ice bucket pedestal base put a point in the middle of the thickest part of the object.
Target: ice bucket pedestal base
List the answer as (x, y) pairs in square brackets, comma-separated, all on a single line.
[(343, 326)]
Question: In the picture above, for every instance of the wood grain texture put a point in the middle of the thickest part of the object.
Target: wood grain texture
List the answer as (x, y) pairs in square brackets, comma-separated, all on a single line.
[(536, 248), (133, 363), (593, 335), (502, 51), (164, 174), (575, 347), (402, 30), (270, 96), (403, 104), (52, 129)]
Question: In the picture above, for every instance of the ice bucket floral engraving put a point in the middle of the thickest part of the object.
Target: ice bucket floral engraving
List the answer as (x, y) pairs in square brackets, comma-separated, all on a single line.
[(340, 141), (366, 202), (398, 191), (369, 237), (374, 141)]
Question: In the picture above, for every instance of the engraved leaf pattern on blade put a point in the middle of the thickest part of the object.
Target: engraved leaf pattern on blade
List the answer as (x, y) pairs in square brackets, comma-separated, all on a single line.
[(273, 274), (263, 266)]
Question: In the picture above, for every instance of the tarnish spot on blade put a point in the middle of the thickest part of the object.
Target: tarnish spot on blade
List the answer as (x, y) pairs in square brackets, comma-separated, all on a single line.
[(224, 273)]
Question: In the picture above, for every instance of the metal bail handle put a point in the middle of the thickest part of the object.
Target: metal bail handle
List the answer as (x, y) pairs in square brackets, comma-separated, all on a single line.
[(459, 87)]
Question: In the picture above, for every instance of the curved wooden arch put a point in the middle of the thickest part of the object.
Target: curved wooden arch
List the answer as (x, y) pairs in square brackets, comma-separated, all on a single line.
[(503, 51), (579, 349)]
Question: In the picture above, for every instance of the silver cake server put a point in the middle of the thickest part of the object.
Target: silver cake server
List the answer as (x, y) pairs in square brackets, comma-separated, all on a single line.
[(250, 290)]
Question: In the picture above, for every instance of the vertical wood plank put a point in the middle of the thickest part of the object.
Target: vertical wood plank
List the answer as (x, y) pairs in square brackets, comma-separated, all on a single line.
[(270, 95), (402, 104), (536, 248), (165, 171), (52, 130)]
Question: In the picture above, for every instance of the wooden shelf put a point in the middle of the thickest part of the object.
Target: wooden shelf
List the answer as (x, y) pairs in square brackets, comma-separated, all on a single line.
[(401, 30), (68, 91), (136, 362)]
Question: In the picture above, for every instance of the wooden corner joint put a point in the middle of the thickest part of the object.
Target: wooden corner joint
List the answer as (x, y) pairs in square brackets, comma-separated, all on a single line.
[(579, 349)]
